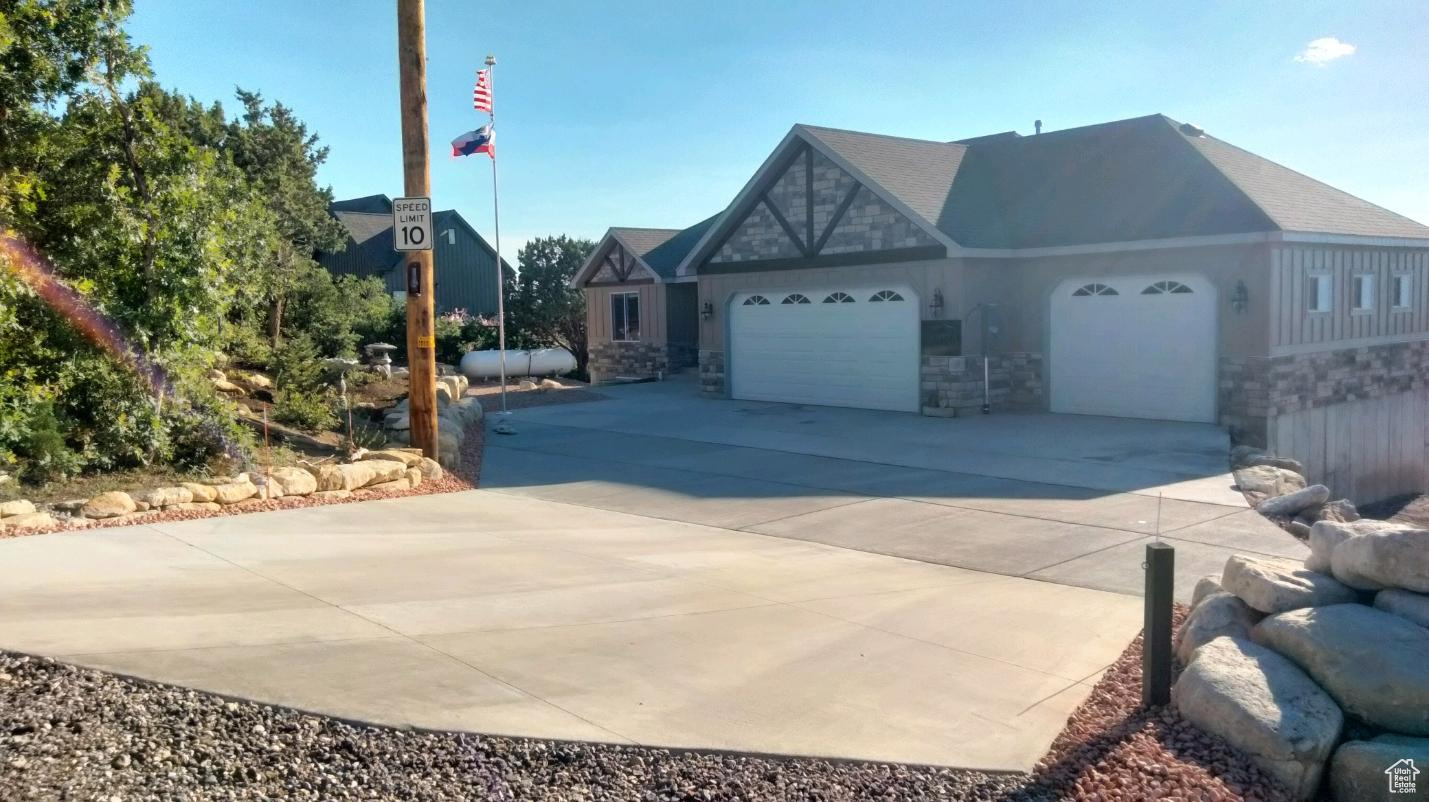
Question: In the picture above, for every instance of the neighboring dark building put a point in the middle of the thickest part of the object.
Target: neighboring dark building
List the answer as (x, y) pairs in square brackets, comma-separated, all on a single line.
[(465, 262)]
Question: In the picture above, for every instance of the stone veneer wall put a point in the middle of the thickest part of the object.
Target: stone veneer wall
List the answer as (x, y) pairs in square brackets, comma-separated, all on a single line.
[(1253, 390), (611, 359), (712, 372), (953, 385)]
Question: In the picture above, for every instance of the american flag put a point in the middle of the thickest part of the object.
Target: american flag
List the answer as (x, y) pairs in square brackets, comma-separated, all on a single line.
[(481, 95)]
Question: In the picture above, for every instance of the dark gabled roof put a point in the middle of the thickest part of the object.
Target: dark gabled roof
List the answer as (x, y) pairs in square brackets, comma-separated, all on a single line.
[(666, 256), (371, 204), (369, 250)]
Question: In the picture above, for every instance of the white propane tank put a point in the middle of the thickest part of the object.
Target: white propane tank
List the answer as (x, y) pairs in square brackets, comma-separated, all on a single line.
[(540, 362)]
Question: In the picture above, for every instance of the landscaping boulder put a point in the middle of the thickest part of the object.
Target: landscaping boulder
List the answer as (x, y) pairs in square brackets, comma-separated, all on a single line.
[(1264, 706), (1271, 461), (1219, 615), (227, 387), (29, 520), (1391, 559), (431, 469), (1242, 455), (526, 384), (165, 497), (1363, 770), (397, 421), (414, 477), (328, 477), (1260, 482), (1376, 665), (355, 475), (1403, 603), (444, 395), (204, 506), (1298, 528), (332, 494), (1341, 510), (410, 458), (21, 507), (395, 484), (385, 470), (109, 505), (234, 492), (1292, 503), (293, 481), (201, 493), (1326, 535), (1205, 586), (551, 384), (1274, 585)]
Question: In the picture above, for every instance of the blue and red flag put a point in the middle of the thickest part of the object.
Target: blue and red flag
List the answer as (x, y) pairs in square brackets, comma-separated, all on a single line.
[(482, 140)]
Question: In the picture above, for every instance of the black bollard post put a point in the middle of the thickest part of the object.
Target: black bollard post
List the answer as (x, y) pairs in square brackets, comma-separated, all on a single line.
[(1156, 635)]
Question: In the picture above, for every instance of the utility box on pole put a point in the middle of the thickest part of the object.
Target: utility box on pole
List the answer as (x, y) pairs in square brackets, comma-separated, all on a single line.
[(417, 181)]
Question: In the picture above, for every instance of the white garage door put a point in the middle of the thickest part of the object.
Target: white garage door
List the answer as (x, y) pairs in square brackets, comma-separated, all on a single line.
[(1142, 347), (837, 346)]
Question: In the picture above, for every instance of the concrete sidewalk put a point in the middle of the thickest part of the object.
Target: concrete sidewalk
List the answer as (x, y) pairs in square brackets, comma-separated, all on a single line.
[(495, 613)]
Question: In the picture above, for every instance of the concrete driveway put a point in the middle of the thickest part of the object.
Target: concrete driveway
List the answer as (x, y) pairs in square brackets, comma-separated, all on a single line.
[(1061, 498), (666, 570)]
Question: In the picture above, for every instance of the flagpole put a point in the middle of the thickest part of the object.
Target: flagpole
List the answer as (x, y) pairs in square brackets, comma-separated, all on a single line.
[(496, 219)]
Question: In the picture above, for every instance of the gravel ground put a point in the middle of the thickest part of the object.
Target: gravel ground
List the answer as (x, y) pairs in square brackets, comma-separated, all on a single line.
[(1112, 749), (489, 395), (464, 478), (73, 733)]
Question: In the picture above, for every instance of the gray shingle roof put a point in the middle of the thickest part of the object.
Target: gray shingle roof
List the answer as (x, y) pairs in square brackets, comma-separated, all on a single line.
[(1296, 202), (1137, 179), (916, 171), (663, 248)]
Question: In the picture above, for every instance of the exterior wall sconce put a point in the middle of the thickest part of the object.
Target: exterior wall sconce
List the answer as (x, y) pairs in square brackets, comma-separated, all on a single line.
[(1240, 297), (707, 311), (937, 304)]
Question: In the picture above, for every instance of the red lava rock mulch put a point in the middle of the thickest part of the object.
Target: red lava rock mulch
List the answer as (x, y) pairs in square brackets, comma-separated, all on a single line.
[(1113, 749), (466, 477)]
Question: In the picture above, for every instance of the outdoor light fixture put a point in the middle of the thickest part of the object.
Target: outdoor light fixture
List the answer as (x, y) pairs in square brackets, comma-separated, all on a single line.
[(1240, 297), (937, 304), (707, 311)]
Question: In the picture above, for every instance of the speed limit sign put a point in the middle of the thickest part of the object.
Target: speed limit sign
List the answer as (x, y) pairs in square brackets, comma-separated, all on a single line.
[(412, 224)]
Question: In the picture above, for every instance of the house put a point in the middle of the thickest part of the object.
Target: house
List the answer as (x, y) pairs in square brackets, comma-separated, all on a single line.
[(1140, 268), (465, 264)]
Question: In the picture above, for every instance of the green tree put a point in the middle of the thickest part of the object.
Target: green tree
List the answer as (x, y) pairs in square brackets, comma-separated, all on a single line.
[(542, 308), (280, 158)]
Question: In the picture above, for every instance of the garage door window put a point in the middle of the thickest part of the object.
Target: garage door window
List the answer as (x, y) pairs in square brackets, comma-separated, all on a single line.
[(796, 298), (1166, 287), (1094, 289), (886, 295), (756, 300), (625, 317), (839, 298)]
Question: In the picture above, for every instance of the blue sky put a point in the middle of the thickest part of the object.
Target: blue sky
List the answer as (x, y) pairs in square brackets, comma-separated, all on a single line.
[(656, 113)]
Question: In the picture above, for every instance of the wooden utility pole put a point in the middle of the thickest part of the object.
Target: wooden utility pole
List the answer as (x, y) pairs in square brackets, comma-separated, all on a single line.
[(417, 181)]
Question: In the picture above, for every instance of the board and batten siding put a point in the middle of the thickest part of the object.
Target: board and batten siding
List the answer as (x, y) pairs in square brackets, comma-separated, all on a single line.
[(1296, 329), (653, 312), (1369, 449)]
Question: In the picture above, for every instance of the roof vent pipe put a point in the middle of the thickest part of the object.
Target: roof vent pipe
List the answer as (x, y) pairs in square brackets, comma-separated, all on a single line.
[(1038, 126)]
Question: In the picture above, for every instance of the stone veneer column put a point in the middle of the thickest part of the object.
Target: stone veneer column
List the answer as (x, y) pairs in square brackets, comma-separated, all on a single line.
[(638, 359), (712, 372), (952, 386)]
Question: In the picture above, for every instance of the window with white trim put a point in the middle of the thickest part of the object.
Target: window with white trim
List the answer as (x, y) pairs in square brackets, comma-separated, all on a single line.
[(1403, 286), (1091, 290), (625, 317), (1362, 292), (1319, 293), (886, 295), (756, 300), (795, 298), (839, 298)]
